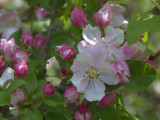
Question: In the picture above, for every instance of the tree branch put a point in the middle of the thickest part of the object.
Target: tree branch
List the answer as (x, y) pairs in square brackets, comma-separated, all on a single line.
[(50, 29)]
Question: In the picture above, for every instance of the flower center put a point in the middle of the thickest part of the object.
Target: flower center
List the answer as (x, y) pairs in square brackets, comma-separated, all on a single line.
[(92, 72), (12, 22)]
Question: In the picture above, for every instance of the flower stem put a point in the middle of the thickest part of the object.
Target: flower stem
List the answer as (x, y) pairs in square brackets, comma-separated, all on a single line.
[(155, 3)]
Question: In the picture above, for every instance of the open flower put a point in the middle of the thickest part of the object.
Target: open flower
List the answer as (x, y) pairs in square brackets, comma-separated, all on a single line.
[(8, 74), (9, 48), (91, 72)]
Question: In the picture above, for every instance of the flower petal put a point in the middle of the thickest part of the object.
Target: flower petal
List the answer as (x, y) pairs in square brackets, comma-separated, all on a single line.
[(95, 90), (91, 34), (108, 74)]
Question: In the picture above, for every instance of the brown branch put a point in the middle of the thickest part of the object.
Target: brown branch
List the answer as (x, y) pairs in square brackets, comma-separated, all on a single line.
[(157, 55), (50, 29)]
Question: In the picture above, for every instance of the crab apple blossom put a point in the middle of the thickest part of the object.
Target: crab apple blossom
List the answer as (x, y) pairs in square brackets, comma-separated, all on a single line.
[(83, 108), (26, 37), (9, 48), (122, 70), (21, 69), (48, 89), (63, 71), (39, 42), (84, 116), (78, 17), (108, 98), (124, 24), (9, 19), (103, 17), (18, 96), (115, 53), (71, 94), (65, 51), (135, 51), (114, 37), (117, 17), (91, 73), (42, 14), (8, 74), (1, 65), (152, 63), (19, 56)]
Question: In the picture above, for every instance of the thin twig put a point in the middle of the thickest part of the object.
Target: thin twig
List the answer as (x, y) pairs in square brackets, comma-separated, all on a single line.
[(50, 29), (155, 3)]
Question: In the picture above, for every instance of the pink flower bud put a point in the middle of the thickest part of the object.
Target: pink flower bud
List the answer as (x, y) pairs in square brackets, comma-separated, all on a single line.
[(78, 17), (108, 98), (48, 89), (17, 96), (1, 65), (9, 48), (152, 63), (84, 116), (39, 42), (83, 108), (71, 94), (27, 40), (21, 69), (65, 51), (122, 70), (103, 18), (42, 14), (19, 56), (63, 71), (128, 50)]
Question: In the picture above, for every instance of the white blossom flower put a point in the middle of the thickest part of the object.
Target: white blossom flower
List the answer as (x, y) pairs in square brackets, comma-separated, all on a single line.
[(91, 71)]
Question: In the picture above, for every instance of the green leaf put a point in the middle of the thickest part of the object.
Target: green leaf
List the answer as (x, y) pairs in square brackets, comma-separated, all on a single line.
[(104, 113), (142, 75), (45, 4), (140, 24), (30, 114), (31, 84), (150, 116), (76, 33), (39, 91), (54, 100), (5, 95), (59, 113)]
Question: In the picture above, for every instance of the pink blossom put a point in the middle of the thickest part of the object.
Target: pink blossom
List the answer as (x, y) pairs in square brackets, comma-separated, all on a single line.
[(26, 38), (18, 96), (9, 19), (63, 71), (114, 37), (91, 73), (9, 48), (19, 56), (122, 70), (128, 50), (1, 65), (21, 69), (39, 42), (78, 17), (117, 10), (125, 24), (82, 116), (48, 89), (71, 94), (115, 53), (83, 108), (103, 18), (65, 51), (108, 98), (135, 51), (152, 63), (42, 14)]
